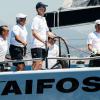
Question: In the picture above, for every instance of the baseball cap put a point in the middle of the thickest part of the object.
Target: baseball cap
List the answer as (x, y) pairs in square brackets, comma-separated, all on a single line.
[(21, 15), (40, 4), (97, 21)]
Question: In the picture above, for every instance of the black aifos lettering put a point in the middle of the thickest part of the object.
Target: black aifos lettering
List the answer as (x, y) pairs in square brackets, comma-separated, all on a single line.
[(92, 84), (89, 84), (28, 89), (44, 83), (11, 87), (60, 85)]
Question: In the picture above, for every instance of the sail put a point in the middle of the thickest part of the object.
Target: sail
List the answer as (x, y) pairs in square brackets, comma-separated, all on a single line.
[(67, 3), (93, 2), (80, 3)]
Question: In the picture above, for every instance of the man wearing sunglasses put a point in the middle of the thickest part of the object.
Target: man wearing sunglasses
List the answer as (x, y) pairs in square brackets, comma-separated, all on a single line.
[(18, 40)]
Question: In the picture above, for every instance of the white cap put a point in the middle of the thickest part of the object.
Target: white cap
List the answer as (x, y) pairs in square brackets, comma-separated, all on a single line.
[(97, 21), (21, 15)]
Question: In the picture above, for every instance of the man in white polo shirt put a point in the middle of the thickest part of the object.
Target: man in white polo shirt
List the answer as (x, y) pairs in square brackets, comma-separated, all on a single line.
[(40, 32), (18, 40), (94, 44)]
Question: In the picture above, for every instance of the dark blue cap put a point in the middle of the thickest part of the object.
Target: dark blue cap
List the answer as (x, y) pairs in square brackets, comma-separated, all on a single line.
[(40, 4)]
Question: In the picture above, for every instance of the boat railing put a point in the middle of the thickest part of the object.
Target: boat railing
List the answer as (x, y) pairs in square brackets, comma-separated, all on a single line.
[(74, 58), (58, 58)]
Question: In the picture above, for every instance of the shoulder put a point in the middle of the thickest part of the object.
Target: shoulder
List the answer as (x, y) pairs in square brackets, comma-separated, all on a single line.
[(44, 18), (15, 27), (36, 18), (35, 21), (91, 34), (2, 41)]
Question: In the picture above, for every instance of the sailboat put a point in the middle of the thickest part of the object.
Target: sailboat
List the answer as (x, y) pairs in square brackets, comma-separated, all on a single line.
[(67, 83), (52, 84)]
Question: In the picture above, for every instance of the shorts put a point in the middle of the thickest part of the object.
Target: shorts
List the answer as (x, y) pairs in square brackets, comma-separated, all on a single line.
[(16, 53), (38, 53), (95, 62)]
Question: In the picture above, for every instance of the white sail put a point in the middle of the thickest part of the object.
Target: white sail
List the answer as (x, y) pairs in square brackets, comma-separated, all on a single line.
[(79, 3), (67, 3)]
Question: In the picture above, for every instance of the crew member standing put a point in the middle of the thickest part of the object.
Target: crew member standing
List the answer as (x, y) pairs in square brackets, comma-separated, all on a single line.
[(40, 32), (18, 41)]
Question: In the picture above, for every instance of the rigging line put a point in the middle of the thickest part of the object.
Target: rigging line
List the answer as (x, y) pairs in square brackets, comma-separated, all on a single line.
[(76, 39), (79, 49), (72, 46)]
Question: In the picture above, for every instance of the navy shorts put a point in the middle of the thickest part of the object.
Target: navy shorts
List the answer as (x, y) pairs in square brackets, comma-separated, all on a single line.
[(95, 62), (16, 53), (38, 53)]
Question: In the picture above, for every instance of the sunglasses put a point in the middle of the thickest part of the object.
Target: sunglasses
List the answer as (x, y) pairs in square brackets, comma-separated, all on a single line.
[(22, 19)]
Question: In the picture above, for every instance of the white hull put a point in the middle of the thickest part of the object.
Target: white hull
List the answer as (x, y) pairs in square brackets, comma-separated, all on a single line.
[(56, 84)]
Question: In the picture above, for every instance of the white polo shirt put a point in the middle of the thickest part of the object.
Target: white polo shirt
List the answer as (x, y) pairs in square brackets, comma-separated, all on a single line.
[(18, 30), (94, 40), (39, 24), (53, 52), (3, 49)]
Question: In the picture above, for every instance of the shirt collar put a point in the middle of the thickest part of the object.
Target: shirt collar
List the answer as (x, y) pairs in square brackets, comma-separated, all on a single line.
[(21, 26), (40, 16), (1, 38)]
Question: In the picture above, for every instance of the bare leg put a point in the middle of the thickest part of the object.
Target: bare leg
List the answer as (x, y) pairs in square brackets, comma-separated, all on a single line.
[(20, 67), (37, 65)]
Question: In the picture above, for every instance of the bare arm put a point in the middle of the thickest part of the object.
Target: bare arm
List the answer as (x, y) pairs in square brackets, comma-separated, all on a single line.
[(51, 34), (37, 36), (90, 47)]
